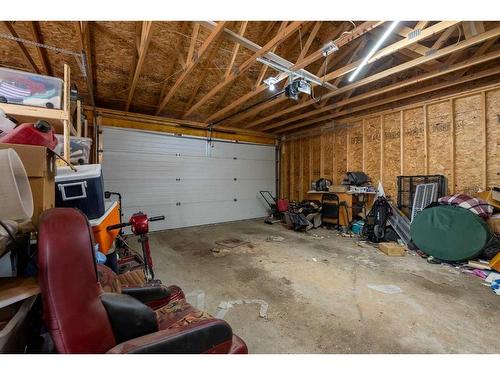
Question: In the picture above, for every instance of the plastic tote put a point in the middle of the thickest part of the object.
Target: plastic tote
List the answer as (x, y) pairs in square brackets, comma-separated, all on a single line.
[(82, 189), (79, 149), (30, 89)]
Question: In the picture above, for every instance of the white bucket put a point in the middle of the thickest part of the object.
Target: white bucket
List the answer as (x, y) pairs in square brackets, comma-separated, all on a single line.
[(16, 200), (6, 125)]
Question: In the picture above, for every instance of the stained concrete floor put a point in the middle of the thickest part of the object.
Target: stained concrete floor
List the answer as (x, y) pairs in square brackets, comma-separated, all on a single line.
[(316, 285)]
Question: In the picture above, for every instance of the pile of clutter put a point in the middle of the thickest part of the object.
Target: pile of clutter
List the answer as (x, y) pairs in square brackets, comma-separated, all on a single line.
[(459, 230)]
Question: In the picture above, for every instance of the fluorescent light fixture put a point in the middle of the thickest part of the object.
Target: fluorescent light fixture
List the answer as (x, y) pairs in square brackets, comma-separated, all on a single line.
[(271, 82), (374, 49)]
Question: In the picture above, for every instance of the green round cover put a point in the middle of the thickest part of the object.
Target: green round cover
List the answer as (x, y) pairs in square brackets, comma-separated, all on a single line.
[(449, 233)]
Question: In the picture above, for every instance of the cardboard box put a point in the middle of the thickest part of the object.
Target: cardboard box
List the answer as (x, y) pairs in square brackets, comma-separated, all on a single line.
[(393, 249), (490, 197), (338, 188), (39, 163), (494, 223), (495, 262)]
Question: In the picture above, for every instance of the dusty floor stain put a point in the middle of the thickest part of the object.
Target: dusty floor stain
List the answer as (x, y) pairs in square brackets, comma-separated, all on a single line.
[(325, 306)]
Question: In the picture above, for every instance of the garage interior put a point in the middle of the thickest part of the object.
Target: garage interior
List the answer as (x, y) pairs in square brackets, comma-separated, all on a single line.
[(249, 186)]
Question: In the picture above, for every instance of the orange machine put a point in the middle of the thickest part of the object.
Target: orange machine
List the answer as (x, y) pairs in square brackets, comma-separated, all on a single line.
[(102, 236)]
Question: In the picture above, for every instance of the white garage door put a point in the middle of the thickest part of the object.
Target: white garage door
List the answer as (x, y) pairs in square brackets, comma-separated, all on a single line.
[(188, 180)]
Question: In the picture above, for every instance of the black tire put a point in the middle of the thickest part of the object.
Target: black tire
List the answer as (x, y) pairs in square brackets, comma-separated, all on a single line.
[(49, 105), (379, 231), (492, 248)]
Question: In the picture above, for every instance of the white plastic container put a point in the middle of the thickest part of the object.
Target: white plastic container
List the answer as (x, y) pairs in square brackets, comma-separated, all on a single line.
[(79, 148), (6, 125), (17, 87)]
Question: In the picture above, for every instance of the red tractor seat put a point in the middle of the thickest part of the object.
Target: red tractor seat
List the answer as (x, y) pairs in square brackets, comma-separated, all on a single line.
[(82, 318)]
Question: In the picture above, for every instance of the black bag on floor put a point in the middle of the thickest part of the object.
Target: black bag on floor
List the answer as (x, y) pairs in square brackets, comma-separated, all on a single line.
[(376, 220)]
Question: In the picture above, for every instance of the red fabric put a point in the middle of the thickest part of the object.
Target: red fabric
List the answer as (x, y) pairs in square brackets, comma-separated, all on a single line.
[(74, 314), (282, 205), (475, 205)]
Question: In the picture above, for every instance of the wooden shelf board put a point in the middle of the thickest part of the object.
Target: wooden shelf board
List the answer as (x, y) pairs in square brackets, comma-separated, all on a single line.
[(15, 289), (24, 113)]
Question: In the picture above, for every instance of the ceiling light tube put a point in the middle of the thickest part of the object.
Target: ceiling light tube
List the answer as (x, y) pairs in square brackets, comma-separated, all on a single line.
[(373, 50)]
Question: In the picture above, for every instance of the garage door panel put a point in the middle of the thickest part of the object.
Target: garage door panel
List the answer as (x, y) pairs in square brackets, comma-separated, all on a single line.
[(243, 151), (144, 143), (157, 191), (193, 187), (186, 168), (199, 213)]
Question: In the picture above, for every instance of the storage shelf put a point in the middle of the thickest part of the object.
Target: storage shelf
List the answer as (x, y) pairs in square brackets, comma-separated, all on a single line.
[(22, 113), (60, 119), (15, 289)]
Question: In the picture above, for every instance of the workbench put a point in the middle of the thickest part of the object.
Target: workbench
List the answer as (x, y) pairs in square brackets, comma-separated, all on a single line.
[(350, 199)]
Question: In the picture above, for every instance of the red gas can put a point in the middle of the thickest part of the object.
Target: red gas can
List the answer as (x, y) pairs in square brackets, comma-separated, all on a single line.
[(38, 134)]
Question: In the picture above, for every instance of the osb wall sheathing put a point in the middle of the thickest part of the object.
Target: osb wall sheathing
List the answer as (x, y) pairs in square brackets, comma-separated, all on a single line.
[(468, 143), (372, 147), (439, 133), (327, 148), (285, 168), (306, 166), (474, 168), (340, 150), (493, 137), (315, 157), (392, 154), (296, 185), (356, 147), (413, 136)]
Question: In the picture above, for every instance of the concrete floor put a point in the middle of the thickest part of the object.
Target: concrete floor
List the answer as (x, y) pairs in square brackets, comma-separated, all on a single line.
[(316, 285)]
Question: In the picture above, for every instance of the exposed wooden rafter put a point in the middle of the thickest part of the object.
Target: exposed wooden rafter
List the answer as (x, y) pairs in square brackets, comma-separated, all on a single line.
[(208, 62), (350, 67), (171, 67), (404, 43), (42, 53), (246, 65), (85, 44), (309, 41), (435, 29), (264, 67), (392, 99), (236, 48), (397, 86), (22, 47), (313, 57), (192, 44), (396, 69), (146, 33), (191, 65)]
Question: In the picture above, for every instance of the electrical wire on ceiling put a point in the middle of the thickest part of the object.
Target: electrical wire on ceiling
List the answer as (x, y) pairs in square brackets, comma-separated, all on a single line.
[(325, 62)]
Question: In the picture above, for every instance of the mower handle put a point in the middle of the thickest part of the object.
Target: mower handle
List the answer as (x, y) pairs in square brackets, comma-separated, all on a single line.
[(123, 225), (117, 226), (156, 218)]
